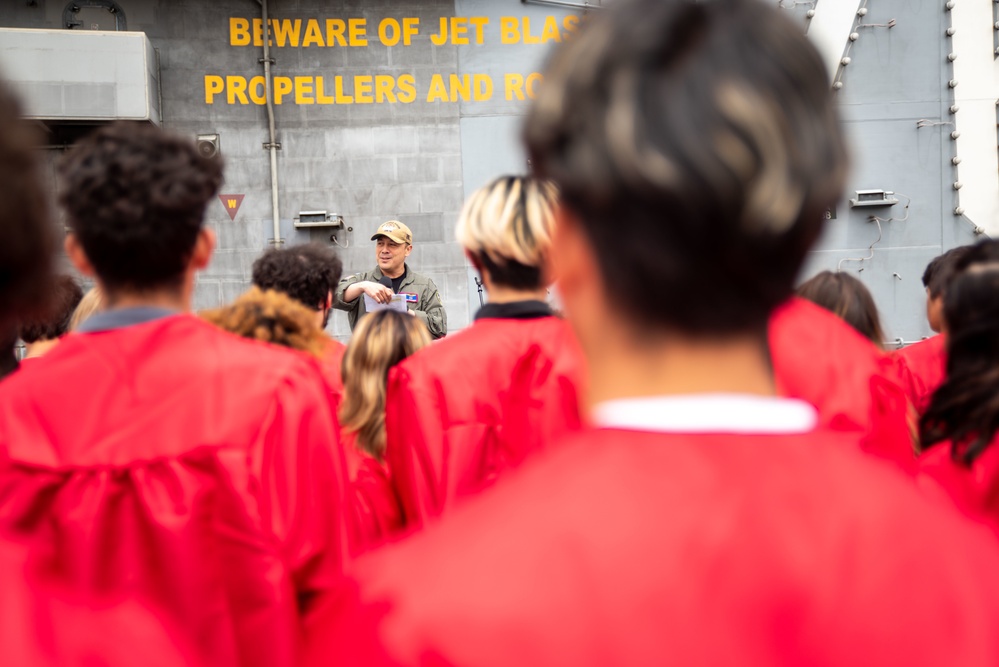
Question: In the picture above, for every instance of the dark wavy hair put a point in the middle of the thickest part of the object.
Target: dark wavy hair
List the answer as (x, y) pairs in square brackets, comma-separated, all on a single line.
[(136, 198), (965, 409), (306, 273), (63, 299), (942, 270), (698, 145), (29, 239), (848, 299)]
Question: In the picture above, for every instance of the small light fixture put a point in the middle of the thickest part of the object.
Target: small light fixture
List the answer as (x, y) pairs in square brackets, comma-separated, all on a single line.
[(306, 219), (874, 198)]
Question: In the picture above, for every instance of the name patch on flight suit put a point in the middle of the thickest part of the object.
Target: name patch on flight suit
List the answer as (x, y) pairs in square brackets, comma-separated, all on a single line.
[(410, 297)]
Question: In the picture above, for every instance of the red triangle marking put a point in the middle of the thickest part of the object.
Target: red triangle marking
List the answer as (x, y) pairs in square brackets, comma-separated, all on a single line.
[(232, 204)]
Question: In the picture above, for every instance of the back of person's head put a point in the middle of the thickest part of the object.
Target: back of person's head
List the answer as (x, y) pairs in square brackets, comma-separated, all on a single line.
[(306, 273), (983, 252), (27, 250), (136, 196), (272, 317), (965, 409), (937, 277), (698, 147), (380, 341), (506, 229), (62, 301), (848, 299), (942, 269), (92, 302)]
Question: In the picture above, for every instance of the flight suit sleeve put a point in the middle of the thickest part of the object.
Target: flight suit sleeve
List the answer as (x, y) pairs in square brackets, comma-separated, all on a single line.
[(347, 281), (431, 310)]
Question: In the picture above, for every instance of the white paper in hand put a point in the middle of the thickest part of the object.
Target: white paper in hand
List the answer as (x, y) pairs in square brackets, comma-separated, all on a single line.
[(398, 303)]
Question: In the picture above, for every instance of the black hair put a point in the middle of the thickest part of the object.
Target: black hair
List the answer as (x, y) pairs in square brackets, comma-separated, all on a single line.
[(964, 410), (942, 269), (8, 351), (29, 239), (306, 273), (62, 301), (511, 273), (699, 147), (136, 198), (848, 299)]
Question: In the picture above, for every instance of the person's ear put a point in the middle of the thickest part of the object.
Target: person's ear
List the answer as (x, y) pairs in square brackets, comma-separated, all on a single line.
[(204, 247), (77, 256), (409, 249), (545, 268), (329, 301)]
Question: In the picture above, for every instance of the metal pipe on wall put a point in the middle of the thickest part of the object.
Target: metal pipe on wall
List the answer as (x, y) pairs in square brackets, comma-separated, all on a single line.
[(272, 144)]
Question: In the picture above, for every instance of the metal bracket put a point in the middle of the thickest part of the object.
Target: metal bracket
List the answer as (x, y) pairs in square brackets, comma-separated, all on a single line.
[(70, 21)]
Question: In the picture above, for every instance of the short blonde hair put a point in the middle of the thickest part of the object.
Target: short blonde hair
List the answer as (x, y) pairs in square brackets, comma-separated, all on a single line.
[(509, 221), (271, 317), (380, 341)]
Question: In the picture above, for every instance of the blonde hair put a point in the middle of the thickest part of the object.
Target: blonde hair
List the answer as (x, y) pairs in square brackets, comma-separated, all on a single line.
[(381, 340), (91, 303), (510, 219), (272, 317)]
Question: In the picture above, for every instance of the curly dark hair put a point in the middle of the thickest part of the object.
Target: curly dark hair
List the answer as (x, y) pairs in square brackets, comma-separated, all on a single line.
[(306, 273), (62, 302), (271, 317), (29, 241), (136, 199)]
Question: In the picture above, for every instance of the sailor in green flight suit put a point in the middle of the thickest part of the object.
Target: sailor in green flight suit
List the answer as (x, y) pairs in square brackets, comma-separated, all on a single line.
[(394, 243)]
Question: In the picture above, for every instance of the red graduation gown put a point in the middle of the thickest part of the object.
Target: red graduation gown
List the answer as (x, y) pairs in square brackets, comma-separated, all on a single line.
[(636, 548), (332, 363), (923, 367), (854, 386), (375, 511), (466, 409), (42, 626), (184, 467), (974, 490)]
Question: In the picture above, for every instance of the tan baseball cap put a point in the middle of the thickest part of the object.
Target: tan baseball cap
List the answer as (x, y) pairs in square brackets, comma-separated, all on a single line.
[(396, 231)]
